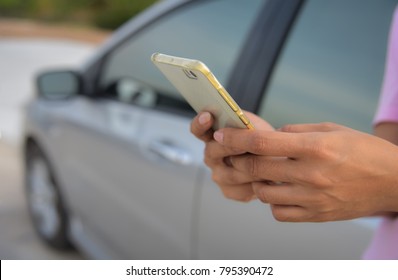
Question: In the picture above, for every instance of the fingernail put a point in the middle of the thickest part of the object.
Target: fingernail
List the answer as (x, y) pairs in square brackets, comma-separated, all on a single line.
[(219, 136), (204, 118)]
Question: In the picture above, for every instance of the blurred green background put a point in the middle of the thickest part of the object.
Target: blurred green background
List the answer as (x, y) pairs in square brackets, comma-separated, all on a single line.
[(106, 14)]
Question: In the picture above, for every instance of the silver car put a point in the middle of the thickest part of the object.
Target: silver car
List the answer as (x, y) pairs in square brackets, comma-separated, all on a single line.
[(112, 169)]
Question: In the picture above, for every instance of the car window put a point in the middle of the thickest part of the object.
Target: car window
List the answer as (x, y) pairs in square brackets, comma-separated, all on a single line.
[(332, 65), (211, 31)]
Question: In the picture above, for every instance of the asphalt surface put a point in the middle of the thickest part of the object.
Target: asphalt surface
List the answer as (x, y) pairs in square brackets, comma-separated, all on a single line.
[(20, 61)]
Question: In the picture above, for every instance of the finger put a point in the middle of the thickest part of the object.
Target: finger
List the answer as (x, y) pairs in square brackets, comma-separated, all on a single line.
[(316, 127), (224, 175), (243, 192), (285, 194), (260, 142), (279, 169), (280, 194), (283, 213), (216, 153), (201, 126), (293, 203)]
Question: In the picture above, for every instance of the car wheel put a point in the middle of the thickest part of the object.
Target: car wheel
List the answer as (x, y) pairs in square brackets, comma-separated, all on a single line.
[(44, 199)]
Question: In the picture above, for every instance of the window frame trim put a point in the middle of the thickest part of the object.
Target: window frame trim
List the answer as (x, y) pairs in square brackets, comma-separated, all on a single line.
[(254, 67)]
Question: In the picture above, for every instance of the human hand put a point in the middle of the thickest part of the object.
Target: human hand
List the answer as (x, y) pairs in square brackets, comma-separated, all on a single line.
[(329, 172), (233, 183)]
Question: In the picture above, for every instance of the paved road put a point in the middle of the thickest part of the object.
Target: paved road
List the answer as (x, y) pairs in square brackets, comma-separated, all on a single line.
[(20, 60)]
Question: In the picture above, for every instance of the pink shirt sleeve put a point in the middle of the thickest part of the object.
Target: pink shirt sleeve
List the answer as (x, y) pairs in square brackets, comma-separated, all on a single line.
[(388, 103), (384, 244)]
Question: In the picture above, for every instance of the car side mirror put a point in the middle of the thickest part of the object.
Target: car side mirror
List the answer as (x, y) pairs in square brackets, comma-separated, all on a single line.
[(59, 84)]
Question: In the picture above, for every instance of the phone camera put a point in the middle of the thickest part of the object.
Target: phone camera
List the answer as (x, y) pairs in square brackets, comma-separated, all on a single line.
[(190, 74)]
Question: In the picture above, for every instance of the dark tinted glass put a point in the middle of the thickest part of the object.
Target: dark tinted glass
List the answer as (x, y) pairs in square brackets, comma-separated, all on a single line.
[(332, 65)]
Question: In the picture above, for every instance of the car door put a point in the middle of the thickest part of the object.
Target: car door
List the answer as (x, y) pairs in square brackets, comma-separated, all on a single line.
[(135, 169), (330, 68)]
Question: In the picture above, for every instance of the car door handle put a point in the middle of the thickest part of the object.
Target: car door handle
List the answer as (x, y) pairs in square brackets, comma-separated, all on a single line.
[(170, 152)]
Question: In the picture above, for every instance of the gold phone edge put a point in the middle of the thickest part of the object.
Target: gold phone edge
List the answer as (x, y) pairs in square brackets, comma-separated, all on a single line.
[(225, 95), (200, 66)]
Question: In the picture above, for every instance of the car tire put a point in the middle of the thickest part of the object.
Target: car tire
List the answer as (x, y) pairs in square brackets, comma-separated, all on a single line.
[(45, 202)]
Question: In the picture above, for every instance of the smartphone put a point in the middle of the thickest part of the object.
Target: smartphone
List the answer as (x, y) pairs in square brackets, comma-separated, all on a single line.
[(201, 89)]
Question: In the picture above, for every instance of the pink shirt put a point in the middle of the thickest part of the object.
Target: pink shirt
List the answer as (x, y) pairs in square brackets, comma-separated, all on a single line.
[(385, 241)]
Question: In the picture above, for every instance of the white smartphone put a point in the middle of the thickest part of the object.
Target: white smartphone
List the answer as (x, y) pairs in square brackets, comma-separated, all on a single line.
[(201, 89)]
